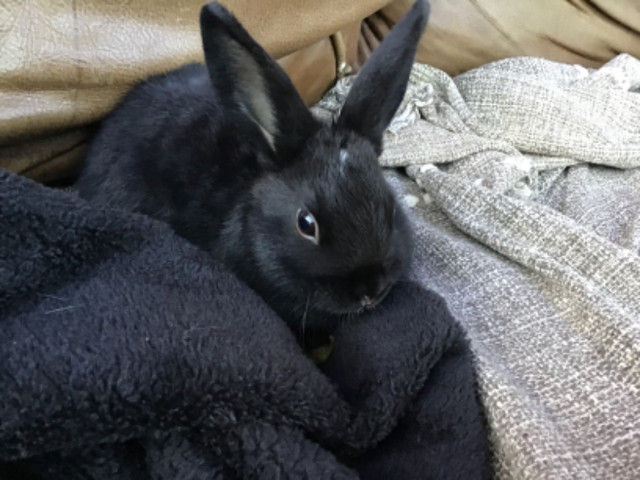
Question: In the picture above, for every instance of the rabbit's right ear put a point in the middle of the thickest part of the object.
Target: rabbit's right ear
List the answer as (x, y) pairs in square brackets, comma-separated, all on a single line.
[(381, 84), (246, 77)]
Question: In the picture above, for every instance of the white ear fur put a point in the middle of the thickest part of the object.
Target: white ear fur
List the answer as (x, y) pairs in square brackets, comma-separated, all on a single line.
[(344, 158), (257, 104)]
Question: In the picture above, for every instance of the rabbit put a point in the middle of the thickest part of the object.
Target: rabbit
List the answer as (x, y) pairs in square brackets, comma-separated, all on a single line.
[(227, 153)]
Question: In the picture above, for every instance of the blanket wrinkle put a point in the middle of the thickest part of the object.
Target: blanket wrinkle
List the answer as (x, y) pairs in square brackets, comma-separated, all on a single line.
[(126, 352), (523, 181)]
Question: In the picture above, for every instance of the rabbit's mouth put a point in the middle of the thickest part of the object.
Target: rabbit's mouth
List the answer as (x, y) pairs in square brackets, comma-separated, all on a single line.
[(339, 305)]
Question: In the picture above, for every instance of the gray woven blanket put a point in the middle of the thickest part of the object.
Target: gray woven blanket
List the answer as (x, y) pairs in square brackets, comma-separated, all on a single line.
[(523, 181)]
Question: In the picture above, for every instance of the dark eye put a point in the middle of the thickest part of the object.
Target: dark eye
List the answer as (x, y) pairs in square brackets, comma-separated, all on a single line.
[(307, 226)]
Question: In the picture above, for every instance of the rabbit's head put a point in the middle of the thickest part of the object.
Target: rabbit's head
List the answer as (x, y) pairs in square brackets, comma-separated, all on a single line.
[(327, 230)]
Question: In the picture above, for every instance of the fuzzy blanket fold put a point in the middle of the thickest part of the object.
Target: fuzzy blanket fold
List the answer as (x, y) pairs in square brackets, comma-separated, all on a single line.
[(124, 353)]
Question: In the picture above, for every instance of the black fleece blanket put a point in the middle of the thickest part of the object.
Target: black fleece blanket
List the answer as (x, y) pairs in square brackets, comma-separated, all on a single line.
[(126, 354)]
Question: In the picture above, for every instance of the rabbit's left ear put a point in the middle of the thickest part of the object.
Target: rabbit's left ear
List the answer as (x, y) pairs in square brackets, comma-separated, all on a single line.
[(249, 80), (381, 84)]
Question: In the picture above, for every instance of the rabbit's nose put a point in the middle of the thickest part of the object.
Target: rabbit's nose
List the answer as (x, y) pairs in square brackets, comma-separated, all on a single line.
[(371, 299), (370, 285), (366, 301)]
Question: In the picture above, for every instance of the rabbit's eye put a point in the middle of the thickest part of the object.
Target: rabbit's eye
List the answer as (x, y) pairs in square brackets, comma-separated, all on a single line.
[(307, 226)]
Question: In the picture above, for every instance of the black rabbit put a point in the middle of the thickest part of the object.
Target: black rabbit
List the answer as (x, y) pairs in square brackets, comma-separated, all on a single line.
[(231, 158)]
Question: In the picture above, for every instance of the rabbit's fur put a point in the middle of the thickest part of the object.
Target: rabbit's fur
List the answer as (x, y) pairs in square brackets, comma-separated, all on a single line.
[(228, 154)]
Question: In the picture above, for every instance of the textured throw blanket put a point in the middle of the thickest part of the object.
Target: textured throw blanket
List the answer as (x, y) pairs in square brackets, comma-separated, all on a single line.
[(524, 181), (126, 354)]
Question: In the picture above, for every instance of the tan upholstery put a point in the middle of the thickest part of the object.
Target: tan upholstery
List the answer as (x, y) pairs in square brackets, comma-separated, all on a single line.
[(465, 34)]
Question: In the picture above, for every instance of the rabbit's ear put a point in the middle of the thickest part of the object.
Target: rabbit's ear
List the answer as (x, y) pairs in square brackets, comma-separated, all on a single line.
[(246, 77), (381, 84)]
